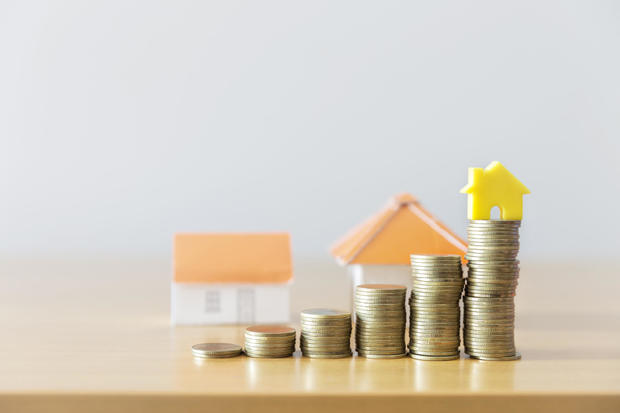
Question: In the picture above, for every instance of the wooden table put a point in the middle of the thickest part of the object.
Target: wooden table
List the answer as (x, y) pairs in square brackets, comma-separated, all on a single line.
[(93, 335)]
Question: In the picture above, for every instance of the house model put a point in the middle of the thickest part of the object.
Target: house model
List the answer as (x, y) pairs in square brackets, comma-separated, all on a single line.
[(231, 278), (378, 250), (494, 186)]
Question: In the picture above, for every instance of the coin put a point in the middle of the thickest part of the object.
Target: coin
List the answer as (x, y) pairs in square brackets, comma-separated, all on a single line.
[(380, 289), (274, 352), (327, 356), (325, 313), (373, 355), (377, 305), (216, 350), (270, 346), (326, 323), (516, 356), (325, 339), (434, 358), (262, 339), (269, 330), (270, 356), (320, 349)]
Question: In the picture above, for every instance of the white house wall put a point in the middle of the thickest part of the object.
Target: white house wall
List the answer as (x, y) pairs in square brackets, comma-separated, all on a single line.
[(209, 304), (273, 304), (381, 274)]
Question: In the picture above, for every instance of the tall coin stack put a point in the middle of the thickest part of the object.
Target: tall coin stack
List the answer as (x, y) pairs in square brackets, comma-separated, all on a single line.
[(269, 341), (493, 270), (435, 313), (380, 320), (325, 333)]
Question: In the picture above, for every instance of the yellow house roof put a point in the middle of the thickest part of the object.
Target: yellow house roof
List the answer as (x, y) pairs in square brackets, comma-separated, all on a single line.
[(244, 258), (495, 174), (403, 227)]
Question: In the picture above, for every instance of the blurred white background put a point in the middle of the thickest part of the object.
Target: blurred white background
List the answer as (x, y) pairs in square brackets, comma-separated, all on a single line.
[(123, 122)]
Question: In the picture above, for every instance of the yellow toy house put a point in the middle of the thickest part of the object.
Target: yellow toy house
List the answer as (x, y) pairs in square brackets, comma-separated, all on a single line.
[(494, 186)]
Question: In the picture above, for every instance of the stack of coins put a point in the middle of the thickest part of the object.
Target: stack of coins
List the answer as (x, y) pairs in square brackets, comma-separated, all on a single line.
[(215, 350), (493, 270), (435, 313), (380, 320), (269, 341), (325, 333)]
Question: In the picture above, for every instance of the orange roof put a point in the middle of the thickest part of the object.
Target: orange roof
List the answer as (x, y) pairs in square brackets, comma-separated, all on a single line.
[(402, 228), (258, 258)]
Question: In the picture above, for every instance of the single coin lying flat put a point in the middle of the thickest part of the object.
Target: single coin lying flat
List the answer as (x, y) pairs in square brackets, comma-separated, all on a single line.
[(216, 350)]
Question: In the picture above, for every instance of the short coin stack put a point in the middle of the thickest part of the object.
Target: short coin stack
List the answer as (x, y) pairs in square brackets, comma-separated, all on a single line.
[(380, 320), (269, 341), (325, 333), (493, 270), (435, 313)]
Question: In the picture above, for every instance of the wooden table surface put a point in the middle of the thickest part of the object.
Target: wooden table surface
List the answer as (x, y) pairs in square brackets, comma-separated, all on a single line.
[(94, 335)]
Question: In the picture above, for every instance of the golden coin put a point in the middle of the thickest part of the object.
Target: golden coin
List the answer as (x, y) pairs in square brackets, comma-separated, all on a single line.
[(216, 350), (269, 330)]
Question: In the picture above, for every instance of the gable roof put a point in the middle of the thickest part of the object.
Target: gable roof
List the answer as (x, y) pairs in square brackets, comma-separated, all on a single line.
[(246, 258), (494, 173), (403, 227)]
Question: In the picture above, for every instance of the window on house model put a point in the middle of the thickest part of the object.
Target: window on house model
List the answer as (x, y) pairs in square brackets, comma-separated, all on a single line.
[(212, 302)]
